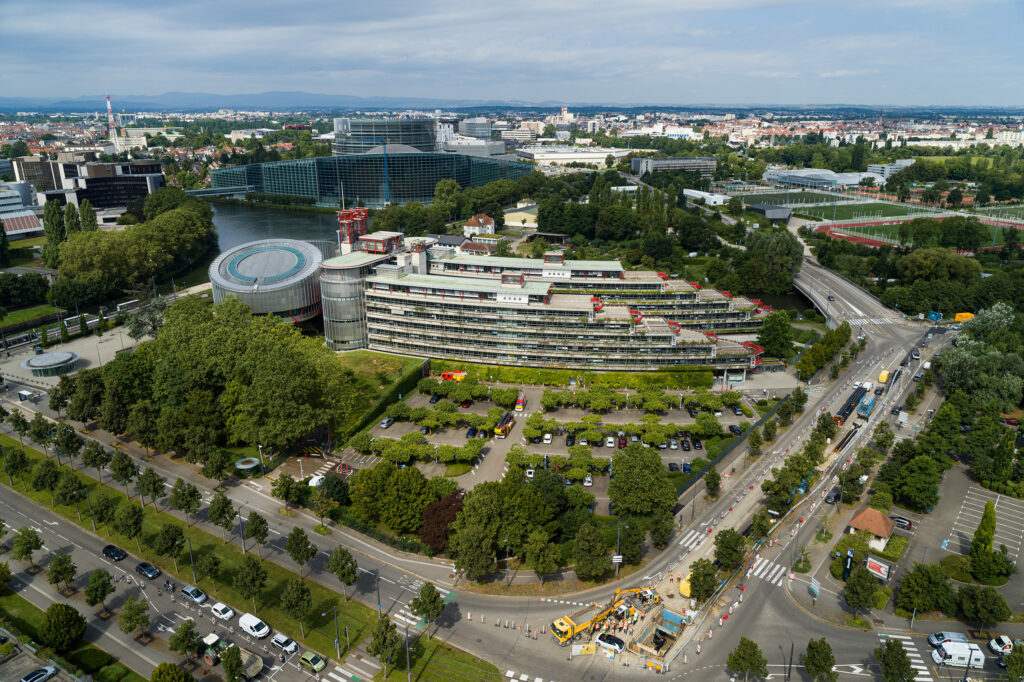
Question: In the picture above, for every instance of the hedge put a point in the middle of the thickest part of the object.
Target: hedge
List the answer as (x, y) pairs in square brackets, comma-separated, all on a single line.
[(695, 377)]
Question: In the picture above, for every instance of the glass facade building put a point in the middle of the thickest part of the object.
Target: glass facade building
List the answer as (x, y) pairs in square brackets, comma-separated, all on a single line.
[(373, 179), (361, 135), (271, 276)]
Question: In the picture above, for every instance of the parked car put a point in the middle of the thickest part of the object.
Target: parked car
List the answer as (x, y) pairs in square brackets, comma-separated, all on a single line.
[(471, 432), (609, 442), (424, 430), (692, 412), (832, 497), (386, 422), (434, 399), (831, 297), (583, 441), (193, 593), (685, 445), (148, 570), (40, 674), (673, 444), (1001, 645), (663, 445), (312, 662), (687, 468), (114, 553), (697, 444), (896, 409), (735, 430), (737, 410), (465, 403), (672, 466), (547, 438), (610, 642), (622, 442), (482, 433), (570, 441), (222, 611), (588, 481), (252, 625), (284, 643), (316, 481), (529, 474), (901, 522)]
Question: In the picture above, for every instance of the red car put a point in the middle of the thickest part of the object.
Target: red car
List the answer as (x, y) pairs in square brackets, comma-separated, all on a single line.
[(465, 403), (622, 442)]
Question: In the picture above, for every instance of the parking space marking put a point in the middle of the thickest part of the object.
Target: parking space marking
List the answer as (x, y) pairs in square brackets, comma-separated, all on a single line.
[(1009, 528)]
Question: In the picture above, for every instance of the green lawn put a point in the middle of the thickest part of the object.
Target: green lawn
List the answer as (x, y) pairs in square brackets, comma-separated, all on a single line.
[(26, 314), (357, 618), (22, 254), (870, 210), (26, 618), (1004, 212), (368, 363), (793, 198), (891, 232), (433, 661)]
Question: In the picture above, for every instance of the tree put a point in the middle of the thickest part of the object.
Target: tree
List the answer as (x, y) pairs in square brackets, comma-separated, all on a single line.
[(735, 206), (185, 497), (71, 221), (982, 605), (299, 548), (760, 524), (324, 505), (70, 491), (185, 639), (103, 510), (169, 542), (40, 429), (541, 554), (61, 570), (343, 566), (286, 489), (208, 565), (19, 424), (62, 627), (641, 484), (895, 663), (257, 528), (428, 605), (222, 513), (150, 483), (747, 658), (713, 481), (729, 548), (926, 588), (24, 542), (819, 661), (703, 579), (95, 456), (883, 436), (776, 335), (168, 672), (755, 441), (100, 587), (296, 601), (87, 216), (141, 423), (917, 484), (128, 521), (771, 427), (61, 394), (45, 476), (123, 469), (785, 412), (385, 643), (250, 578), (859, 590), (955, 197), (589, 553), (1015, 664), (984, 534), (631, 543), (53, 227), (231, 661)]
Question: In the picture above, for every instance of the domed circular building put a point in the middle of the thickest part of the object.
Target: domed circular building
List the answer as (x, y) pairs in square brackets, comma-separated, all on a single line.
[(271, 276), (51, 364)]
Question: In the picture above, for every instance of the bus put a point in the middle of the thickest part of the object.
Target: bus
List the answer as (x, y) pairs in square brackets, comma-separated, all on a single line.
[(504, 425), (520, 403), (455, 376)]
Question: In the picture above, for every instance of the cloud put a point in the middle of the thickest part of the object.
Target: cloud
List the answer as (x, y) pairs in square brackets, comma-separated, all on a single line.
[(846, 73)]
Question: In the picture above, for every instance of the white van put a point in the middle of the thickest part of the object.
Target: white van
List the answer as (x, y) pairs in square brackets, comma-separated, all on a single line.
[(252, 625), (959, 655), (940, 638)]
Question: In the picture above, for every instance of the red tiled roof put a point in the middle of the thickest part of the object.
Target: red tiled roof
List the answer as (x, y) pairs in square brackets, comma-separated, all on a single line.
[(480, 219), (874, 522)]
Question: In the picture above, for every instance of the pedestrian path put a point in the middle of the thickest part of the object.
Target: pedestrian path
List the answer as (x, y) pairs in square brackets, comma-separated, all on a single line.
[(691, 539), (359, 666), (916, 659), (769, 571)]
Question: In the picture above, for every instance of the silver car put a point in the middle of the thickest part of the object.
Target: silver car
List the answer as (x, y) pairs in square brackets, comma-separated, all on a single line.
[(193, 593)]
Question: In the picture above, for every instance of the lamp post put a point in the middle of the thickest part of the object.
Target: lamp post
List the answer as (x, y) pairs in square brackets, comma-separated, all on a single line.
[(408, 668), (263, 467), (191, 560), (241, 527), (376, 578), (337, 640)]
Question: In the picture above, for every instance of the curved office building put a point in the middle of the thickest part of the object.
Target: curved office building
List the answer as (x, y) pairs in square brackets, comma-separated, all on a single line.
[(362, 135), (371, 179), (271, 276)]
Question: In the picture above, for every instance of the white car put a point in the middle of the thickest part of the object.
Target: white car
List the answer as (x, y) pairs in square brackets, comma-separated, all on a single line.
[(252, 625), (222, 611), (610, 642), (317, 481), (673, 444), (284, 643), (529, 474), (193, 593), (588, 481), (609, 442), (582, 441), (547, 439), (1001, 645)]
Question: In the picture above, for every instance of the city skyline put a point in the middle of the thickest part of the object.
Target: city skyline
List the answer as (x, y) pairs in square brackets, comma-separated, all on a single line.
[(906, 52)]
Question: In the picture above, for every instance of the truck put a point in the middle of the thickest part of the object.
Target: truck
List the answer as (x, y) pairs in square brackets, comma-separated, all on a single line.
[(848, 407), (571, 628), (883, 378), (252, 664), (643, 597), (867, 404)]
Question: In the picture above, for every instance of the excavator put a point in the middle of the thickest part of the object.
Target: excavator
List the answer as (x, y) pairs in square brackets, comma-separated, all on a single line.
[(568, 629)]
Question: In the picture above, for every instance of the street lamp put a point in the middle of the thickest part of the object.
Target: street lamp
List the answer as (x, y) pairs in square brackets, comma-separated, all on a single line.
[(337, 641), (263, 467), (618, 522)]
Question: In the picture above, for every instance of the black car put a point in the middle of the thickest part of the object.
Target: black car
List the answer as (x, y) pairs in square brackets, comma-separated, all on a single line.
[(685, 445), (896, 409), (734, 430), (901, 522), (148, 570), (471, 432), (697, 445), (570, 441), (832, 497), (687, 434), (114, 553), (693, 412), (434, 399), (672, 466)]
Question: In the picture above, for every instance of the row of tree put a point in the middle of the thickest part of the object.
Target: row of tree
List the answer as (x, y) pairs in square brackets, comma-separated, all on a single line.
[(61, 224)]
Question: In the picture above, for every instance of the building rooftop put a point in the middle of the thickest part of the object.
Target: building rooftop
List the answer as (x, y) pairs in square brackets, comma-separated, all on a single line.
[(449, 283), (874, 522), (538, 263), (355, 259)]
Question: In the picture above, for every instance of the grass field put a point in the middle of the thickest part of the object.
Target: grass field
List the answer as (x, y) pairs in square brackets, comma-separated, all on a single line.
[(22, 254), (891, 232), (849, 211), (367, 363), (26, 314), (357, 618), (1004, 212), (794, 198), (26, 618)]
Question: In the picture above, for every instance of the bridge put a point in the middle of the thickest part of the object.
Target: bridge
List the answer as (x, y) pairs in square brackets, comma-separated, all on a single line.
[(236, 191)]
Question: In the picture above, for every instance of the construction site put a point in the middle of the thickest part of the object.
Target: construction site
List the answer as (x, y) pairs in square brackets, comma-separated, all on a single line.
[(635, 622)]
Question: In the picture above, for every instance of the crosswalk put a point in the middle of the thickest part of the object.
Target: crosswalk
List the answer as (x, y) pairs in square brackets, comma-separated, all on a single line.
[(691, 539), (566, 602), (916, 659), (864, 321), (769, 571), (359, 670), (513, 676)]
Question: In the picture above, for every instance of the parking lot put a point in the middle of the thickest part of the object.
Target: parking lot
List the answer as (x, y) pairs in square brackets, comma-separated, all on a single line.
[(23, 664), (1009, 522)]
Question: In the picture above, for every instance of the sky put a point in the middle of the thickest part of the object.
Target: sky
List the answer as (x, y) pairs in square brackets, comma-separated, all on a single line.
[(897, 52)]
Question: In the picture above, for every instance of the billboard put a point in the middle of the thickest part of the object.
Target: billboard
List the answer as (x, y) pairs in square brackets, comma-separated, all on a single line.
[(878, 568)]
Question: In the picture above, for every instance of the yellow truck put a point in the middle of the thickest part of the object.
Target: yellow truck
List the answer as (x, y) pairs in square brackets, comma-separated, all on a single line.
[(883, 378), (568, 629), (644, 597), (963, 317)]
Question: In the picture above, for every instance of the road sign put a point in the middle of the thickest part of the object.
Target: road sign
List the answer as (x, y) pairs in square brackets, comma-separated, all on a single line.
[(616, 558), (815, 587)]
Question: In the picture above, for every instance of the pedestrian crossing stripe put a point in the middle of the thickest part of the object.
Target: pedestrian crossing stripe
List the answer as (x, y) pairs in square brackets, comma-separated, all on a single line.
[(691, 539), (769, 571), (916, 661)]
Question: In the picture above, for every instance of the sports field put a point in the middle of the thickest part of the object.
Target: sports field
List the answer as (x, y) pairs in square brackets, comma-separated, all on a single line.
[(870, 210), (1005, 212), (792, 198), (890, 233)]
